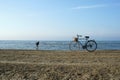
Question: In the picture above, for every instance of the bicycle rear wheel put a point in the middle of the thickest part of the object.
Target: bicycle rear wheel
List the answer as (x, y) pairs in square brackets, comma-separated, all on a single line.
[(74, 46), (91, 46)]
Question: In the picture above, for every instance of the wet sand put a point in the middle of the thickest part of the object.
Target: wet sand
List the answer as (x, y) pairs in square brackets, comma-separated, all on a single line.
[(59, 65)]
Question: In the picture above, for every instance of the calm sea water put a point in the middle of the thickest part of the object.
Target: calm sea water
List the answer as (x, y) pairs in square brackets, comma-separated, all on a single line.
[(53, 45)]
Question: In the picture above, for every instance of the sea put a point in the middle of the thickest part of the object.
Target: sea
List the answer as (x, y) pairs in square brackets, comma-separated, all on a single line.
[(52, 45)]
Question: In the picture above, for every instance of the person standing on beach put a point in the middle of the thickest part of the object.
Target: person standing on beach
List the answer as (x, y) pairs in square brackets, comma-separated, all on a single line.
[(37, 45)]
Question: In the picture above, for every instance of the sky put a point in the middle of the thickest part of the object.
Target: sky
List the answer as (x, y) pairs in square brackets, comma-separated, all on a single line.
[(59, 19)]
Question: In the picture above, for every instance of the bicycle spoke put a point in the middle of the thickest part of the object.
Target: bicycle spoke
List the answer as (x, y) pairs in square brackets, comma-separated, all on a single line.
[(74, 46)]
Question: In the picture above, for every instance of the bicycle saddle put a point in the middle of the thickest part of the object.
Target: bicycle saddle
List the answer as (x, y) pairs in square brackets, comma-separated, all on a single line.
[(86, 37)]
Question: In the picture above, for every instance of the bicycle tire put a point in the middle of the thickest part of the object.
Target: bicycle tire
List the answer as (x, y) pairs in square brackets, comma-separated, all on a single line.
[(74, 46), (91, 45)]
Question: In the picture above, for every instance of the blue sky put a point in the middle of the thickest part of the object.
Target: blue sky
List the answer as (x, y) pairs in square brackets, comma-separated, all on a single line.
[(59, 19)]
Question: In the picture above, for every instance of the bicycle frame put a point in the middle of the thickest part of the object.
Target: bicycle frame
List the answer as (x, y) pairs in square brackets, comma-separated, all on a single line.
[(85, 40), (83, 44)]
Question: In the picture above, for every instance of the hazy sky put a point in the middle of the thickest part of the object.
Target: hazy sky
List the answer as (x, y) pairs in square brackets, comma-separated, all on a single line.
[(59, 19)]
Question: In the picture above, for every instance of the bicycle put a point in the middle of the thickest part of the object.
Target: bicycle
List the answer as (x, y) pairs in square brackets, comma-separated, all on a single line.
[(77, 43)]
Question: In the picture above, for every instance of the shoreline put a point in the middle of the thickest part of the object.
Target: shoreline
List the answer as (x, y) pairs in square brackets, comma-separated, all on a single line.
[(58, 50), (59, 56)]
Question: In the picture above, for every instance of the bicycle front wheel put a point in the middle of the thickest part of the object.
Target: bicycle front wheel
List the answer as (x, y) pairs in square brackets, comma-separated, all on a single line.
[(91, 46), (74, 46)]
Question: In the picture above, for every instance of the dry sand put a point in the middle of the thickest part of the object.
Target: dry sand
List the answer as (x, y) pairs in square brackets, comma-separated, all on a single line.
[(59, 65)]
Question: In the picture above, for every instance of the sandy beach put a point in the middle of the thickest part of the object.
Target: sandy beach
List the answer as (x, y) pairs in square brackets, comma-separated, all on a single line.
[(59, 65)]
